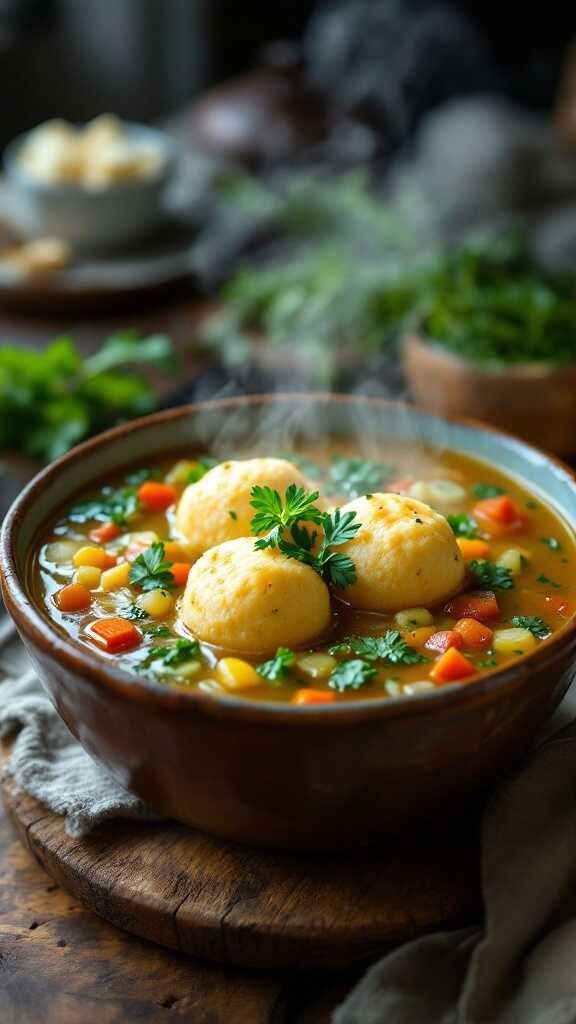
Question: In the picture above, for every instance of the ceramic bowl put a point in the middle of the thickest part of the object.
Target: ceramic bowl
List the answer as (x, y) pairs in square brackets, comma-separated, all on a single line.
[(89, 219), (534, 400), (308, 778)]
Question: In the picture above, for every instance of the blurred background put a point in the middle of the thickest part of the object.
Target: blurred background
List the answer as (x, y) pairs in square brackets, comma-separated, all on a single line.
[(373, 195)]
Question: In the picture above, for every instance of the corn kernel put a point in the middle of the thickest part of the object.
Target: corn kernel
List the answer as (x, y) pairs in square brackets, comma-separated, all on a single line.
[(235, 674), (513, 641), (410, 618), (88, 576), (513, 559), (88, 555), (316, 666), (156, 602), (116, 577)]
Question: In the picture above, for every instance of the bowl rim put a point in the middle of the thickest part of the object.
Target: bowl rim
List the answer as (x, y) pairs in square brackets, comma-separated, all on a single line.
[(78, 658), (17, 176)]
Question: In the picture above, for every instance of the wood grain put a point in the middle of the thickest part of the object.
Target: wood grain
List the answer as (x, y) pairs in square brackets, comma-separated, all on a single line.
[(251, 908)]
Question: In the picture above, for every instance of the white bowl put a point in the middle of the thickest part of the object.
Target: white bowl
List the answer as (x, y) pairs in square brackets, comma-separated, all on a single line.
[(87, 218)]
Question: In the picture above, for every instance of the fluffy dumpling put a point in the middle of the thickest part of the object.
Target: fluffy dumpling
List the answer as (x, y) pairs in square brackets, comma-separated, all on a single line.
[(252, 602), (405, 555), (217, 508)]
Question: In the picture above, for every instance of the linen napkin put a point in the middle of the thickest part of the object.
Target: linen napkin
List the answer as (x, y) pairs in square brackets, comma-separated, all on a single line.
[(46, 761)]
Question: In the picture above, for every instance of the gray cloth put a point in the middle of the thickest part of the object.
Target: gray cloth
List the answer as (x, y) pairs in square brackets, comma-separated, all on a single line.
[(49, 764), (521, 968)]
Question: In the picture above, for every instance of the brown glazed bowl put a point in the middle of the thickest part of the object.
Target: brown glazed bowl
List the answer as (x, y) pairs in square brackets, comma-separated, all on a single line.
[(536, 401), (307, 778)]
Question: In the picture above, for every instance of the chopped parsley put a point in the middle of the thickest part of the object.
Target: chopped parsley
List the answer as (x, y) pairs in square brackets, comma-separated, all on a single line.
[(156, 629), (140, 476), (233, 515), (390, 647), (116, 506), (276, 670), (552, 543), (351, 675), (355, 477), (491, 576), (175, 654), (136, 614), (534, 623), (481, 490), (488, 662), (463, 526), (548, 582), (149, 571)]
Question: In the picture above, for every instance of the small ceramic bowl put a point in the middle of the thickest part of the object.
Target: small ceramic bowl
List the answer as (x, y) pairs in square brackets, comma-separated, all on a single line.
[(278, 775), (89, 219), (534, 400)]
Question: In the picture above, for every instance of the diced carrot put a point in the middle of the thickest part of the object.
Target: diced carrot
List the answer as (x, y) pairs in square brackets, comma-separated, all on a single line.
[(402, 485), (442, 640), (102, 534), (312, 697), (115, 634), (156, 496), (474, 635), (73, 598), (500, 516), (478, 604), (452, 666), (471, 549), (180, 572), (560, 606)]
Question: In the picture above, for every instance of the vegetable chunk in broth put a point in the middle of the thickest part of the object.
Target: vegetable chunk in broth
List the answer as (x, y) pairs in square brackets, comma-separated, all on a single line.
[(312, 577)]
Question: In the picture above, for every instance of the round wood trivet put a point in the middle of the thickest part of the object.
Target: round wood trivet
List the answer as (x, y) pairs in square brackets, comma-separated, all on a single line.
[(256, 908)]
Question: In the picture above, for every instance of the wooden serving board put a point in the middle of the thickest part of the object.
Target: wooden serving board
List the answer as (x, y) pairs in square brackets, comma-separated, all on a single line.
[(252, 908)]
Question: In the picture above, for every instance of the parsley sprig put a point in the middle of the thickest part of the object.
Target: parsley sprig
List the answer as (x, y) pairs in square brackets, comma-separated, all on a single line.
[(534, 623), (356, 476), (174, 654), (111, 505), (351, 675), (276, 517), (391, 646), (490, 575), (481, 490), (276, 669), (150, 570)]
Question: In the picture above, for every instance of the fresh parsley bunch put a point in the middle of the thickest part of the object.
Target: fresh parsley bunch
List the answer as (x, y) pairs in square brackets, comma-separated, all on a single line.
[(276, 517)]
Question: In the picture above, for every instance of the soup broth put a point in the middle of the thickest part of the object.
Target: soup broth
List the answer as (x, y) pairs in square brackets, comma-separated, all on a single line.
[(112, 574)]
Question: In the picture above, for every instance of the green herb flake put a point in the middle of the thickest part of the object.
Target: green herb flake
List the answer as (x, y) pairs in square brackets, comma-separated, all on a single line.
[(491, 576), (390, 647), (548, 582), (276, 670), (150, 571), (116, 506), (233, 515), (135, 614), (534, 623), (351, 675), (552, 543), (481, 490), (463, 525), (174, 654)]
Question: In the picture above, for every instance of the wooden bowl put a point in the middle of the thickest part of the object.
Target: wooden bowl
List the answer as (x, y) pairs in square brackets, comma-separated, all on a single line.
[(533, 400), (278, 775)]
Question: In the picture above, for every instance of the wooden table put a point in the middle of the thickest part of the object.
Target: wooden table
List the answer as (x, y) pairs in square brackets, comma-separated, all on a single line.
[(60, 964)]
